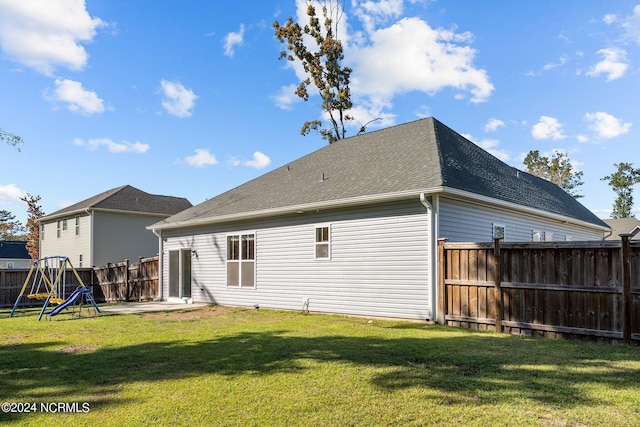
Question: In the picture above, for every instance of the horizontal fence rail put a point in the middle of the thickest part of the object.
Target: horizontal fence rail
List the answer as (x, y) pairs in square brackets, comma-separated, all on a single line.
[(583, 290), (123, 281)]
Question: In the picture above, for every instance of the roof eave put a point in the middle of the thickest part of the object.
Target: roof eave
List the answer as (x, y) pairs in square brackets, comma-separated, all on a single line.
[(297, 209), (90, 209)]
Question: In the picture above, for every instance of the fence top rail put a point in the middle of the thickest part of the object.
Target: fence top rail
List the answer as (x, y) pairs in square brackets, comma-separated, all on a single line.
[(595, 244)]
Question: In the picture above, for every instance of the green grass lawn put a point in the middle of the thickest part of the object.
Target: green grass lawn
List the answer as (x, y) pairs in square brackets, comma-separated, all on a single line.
[(217, 366)]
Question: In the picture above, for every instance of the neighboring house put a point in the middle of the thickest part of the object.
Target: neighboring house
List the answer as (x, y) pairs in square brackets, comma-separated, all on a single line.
[(108, 227), (353, 227), (623, 226), (14, 254)]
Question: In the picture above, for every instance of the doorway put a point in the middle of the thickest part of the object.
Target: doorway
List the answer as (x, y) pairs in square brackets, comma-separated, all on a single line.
[(180, 274)]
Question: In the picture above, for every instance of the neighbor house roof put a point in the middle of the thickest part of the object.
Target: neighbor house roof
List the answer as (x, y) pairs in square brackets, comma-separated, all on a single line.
[(423, 156), (13, 249), (126, 198), (623, 226)]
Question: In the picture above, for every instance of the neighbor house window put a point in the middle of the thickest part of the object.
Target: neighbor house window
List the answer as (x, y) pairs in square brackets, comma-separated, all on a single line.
[(58, 228), (498, 231), (77, 226), (241, 255), (41, 231), (80, 260), (322, 242), (64, 224), (537, 236), (548, 237)]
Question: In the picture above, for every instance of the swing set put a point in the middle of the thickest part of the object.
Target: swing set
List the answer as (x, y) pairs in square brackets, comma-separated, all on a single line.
[(47, 280)]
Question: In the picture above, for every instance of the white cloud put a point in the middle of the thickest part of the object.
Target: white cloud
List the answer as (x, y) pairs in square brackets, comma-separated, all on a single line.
[(605, 125), (286, 97), (609, 19), (631, 25), (547, 128), (260, 161), (78, 99), (493, 125), (582, 138), (614, 64), (44, 34), (430, 60), (10, 195), (113, 147), (550, 66), (202, 158), (232, 40), (178, 100)]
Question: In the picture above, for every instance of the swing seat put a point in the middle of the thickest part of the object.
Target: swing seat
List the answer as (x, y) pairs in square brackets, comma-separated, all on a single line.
[(37, 296), (56, 301)]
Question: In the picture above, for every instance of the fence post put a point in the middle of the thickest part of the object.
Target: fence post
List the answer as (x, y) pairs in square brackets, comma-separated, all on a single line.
[(626, 289), (442, 288), (497, 288), (126, 280)]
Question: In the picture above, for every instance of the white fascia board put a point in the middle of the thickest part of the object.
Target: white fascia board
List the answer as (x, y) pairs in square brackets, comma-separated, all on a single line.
[(75, 212)]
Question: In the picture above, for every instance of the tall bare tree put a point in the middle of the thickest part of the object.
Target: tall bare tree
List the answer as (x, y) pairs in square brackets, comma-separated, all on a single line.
[(557, 169), (317, 46)]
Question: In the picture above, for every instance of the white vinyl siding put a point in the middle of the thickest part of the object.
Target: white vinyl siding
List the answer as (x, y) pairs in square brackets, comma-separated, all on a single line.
[(67, 243), (379, 262), (461, 221)]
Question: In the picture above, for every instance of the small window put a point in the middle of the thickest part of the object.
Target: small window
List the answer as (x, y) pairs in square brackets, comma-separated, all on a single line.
[(548, 237), (64, 224), (77, 226), (58, 224), (41, 231), (498, 231), (322, 243), (241, 254), (10, 265), (80, 260), (537, 236)]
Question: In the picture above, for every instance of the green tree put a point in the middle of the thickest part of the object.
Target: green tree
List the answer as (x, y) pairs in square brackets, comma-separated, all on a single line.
[(557, 169), (34, 212), (11, 139), (622, 181), (317, 47), (10, 229)]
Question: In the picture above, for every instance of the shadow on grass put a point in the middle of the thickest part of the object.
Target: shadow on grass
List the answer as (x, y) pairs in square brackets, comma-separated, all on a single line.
[(459, 367)]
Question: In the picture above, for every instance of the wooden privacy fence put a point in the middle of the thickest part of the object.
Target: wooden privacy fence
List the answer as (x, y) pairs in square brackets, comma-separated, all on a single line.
[(584, 290), (12, 280), (128, 282), (111, 283)]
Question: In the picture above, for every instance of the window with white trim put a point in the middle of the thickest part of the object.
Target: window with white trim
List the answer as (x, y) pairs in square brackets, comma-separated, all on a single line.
[(77, 225), (58, 224), (323, 243), (537, 236), (64, 224), (241, 265), (41, 231)]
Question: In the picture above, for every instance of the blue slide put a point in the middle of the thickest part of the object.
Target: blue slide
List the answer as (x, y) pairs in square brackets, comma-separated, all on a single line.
[(71, 300)]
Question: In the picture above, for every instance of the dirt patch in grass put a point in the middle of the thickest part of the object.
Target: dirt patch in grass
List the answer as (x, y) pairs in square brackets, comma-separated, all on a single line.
[(72, 349), (208, 311)]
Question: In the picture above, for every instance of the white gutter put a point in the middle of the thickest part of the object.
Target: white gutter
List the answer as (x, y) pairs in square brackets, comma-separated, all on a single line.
[(160, 249)]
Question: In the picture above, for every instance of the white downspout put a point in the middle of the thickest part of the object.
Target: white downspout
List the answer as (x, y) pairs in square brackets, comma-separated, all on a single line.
[(433, 265), (160, 272)]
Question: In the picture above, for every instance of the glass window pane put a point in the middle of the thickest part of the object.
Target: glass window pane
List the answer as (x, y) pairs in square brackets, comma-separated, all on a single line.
[(233, 273), (248, 273), (322, 250), (322, 234), (233, 248), (248, 246)]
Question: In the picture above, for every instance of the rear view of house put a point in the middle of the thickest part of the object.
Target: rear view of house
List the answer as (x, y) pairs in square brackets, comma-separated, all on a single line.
[(108, 227), (353, 227)]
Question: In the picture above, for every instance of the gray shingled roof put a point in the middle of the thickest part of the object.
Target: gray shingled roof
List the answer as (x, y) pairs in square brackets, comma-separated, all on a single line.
[(623, 226), (130, 199), (415, 157)]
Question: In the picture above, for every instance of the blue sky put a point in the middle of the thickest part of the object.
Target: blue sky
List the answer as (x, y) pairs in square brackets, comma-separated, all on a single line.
[(189, 98)]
